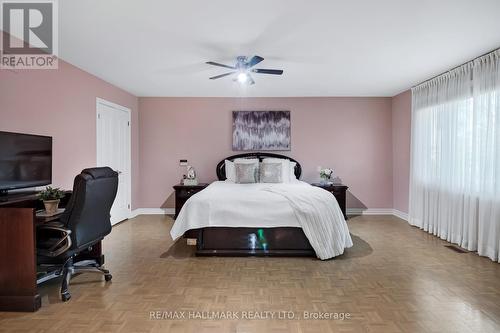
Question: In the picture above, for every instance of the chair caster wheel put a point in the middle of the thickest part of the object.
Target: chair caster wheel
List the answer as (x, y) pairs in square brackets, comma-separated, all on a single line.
[(108, 277), (65, 297)]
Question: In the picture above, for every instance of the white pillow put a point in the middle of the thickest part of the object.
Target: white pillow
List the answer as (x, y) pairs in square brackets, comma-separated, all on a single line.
[(286, 167), (246, 160), (292, 171), (230, 171)]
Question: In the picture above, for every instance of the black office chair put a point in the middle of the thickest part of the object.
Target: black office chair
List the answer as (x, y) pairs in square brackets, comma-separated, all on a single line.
[(84, 223)]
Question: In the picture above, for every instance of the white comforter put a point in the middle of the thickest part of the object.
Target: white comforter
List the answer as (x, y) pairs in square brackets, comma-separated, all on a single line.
[(298, 204)]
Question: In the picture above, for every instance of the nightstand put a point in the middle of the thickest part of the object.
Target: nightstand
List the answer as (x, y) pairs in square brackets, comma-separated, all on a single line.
[(339, 191), (183, 193)]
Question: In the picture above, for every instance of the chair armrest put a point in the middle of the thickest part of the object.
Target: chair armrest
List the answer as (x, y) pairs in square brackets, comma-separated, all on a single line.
[(55, 226), (62, 244), (55, 223)]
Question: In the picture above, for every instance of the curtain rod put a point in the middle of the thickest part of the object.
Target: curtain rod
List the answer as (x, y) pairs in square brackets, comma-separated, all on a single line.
[(435, 76)]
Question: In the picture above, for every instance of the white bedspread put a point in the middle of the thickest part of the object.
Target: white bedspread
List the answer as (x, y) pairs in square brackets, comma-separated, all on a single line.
[(321, 220), (298, 204)]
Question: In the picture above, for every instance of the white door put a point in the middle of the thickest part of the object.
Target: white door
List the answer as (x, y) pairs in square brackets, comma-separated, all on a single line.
[(113, 150)]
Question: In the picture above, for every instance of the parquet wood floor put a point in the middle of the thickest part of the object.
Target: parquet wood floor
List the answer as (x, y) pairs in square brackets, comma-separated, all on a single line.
[(396, 278)]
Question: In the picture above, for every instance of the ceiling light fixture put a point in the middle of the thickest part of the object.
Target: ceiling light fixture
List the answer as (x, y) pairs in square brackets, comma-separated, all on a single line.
[(242, 78), (243, 68)]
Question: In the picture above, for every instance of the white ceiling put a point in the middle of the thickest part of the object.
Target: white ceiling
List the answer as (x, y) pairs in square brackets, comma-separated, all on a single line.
[(325, 47)]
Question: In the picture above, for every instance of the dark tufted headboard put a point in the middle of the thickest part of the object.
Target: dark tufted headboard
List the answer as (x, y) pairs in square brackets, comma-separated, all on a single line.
[(221, 167)]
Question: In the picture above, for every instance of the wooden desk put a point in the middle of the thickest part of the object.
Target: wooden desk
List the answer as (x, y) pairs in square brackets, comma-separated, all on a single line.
[(18, 271), (18, 289)]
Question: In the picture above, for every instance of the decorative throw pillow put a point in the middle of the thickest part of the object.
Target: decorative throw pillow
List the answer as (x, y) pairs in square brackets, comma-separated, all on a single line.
[(271, 173), (230, 168), (285, 167), (246, 173)]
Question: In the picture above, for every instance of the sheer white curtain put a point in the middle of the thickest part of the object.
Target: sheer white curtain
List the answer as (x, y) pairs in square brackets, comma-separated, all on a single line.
[(455, 156)]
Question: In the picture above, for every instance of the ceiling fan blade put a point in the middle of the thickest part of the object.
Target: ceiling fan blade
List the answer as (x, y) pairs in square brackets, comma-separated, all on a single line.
[(222, 75), (268, 71), (220, 65), (254, 61)]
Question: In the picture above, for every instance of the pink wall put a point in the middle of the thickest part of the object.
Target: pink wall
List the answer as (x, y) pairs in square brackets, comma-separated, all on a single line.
[(62, 103), (366, 140), (401, 129), (352, 135)]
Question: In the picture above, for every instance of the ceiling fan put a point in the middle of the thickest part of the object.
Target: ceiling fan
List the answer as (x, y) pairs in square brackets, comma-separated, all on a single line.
[(243, 68)]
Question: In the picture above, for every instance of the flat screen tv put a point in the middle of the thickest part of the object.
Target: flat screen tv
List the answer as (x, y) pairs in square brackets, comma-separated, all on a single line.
[(25, 161)]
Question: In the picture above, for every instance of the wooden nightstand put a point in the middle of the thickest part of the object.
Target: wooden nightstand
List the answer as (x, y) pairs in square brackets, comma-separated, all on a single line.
[(184, 192), (339, 191)]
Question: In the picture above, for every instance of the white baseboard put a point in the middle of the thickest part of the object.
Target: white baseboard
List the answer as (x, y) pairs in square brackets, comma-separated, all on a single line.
[(400, 214), (152, 211), (350, 211), (377, 211), (370, 211)]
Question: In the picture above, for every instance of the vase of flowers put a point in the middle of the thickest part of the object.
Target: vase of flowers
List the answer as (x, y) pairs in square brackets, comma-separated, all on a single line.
[(325, 175), (51, 198)]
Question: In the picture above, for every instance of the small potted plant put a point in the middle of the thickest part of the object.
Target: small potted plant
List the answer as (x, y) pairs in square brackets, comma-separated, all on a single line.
[(325, 175), (51, 197)]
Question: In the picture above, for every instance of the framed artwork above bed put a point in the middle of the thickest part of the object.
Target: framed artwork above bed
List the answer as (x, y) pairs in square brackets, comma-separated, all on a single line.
[(261, 130)]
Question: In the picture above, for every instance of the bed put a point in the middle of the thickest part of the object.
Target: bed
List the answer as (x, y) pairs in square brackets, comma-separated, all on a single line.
[(263, 219)]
